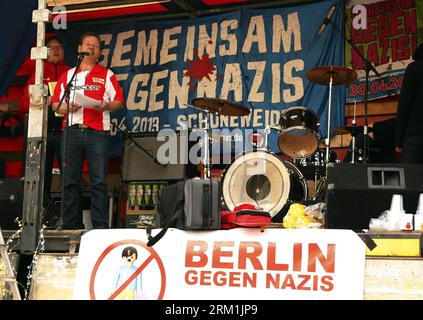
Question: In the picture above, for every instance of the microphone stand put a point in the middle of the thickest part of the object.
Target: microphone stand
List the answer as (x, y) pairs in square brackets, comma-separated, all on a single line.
[(207, 161), (66, 96), (353, 135), (368, 67), (129, 137)]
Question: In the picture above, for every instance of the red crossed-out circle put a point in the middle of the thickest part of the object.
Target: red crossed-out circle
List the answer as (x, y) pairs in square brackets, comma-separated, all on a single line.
[(153, 256)]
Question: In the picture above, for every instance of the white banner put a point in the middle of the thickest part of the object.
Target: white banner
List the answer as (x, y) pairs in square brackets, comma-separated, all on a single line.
[(241, 263)]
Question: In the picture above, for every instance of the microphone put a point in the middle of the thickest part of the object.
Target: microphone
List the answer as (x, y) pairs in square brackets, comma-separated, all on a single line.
[(85, 53), (327, 20)]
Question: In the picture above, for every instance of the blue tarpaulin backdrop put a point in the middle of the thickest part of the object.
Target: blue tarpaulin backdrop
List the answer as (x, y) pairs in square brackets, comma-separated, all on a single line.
[(258, 58), (18, 33)]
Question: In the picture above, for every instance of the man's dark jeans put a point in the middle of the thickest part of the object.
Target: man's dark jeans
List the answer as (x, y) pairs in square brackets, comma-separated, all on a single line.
[(93, 146)]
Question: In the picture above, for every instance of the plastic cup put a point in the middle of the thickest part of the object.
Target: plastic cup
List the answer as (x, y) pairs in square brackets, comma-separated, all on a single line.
[(406, 222), (395, 212), (397, 204)]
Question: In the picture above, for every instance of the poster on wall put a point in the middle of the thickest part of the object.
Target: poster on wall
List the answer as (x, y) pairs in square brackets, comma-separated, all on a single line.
[(386, 33), (256, 58)]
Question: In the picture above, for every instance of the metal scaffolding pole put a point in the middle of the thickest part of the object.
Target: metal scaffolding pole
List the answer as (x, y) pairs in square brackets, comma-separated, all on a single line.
[(37, 138)]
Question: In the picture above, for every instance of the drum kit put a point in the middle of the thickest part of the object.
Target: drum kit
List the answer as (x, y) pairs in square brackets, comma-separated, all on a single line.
[(260, 177)]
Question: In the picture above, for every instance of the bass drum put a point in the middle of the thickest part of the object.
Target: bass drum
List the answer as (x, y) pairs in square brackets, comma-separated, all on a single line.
[(262, 179)]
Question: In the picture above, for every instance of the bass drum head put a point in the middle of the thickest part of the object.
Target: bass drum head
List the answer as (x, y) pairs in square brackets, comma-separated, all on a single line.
[(298, 142), (258, 178)]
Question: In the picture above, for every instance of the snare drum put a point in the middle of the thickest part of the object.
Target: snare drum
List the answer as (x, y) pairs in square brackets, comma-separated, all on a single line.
[(262, 179), (299, 137)]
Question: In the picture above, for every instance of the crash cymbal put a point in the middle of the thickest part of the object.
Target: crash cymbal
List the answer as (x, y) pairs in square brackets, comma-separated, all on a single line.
[(340, 75), (223, 107), (351, 130)]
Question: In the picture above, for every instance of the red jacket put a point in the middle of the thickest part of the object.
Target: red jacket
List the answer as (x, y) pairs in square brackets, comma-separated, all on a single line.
[(52, 73)]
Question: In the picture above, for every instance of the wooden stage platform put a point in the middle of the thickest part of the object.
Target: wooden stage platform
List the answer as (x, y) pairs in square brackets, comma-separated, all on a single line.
[(393, 270)]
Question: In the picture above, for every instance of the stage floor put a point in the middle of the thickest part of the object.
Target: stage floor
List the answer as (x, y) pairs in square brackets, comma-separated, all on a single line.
[(393, 269)]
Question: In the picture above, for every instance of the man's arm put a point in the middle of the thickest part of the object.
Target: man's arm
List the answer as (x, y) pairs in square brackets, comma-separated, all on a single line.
[(114, 93), (114, 106), (109, 106), (73, 107)]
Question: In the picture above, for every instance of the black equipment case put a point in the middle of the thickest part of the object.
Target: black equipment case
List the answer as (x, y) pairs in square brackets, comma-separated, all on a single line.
[(191, 205)]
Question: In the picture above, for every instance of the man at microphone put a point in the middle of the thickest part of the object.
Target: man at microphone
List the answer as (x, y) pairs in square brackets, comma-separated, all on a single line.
[(87, 132)]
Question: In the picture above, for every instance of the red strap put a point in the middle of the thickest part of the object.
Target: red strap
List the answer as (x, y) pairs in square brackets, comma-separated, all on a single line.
[(253, 219), (227, 216), (246, 206), (245, 218)]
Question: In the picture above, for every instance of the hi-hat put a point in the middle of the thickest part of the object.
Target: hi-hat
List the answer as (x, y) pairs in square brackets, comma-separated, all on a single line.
[(340, 75), (351, 130), (223, 107)]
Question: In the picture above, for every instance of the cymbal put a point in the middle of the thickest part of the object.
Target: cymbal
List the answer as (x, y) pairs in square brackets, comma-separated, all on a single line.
[(351, 130), (340, 75), (223, 107)]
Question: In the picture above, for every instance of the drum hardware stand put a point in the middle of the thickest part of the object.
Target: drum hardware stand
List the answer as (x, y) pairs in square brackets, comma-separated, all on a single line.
[(206, 161), (353, 134), (315, 182), (368, 67), (266, 140), (327, 140), (319, 178), (206, 139), (267, 132), (217, 106)]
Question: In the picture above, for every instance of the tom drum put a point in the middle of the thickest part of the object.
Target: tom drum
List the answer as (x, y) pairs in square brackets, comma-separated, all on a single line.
[(299, 137)]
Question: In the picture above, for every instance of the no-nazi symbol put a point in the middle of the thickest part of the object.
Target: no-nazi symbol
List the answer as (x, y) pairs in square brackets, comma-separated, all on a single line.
[(152, 257)]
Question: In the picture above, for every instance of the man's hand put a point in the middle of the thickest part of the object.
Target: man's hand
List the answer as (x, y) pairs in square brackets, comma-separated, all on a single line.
[(109, 106), (101, 107), (398, 149), (73, 107)]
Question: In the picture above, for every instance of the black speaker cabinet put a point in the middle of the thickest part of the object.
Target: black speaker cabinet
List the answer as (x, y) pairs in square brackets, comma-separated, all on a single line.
[(138, 166), (358, 192), (11, 202)]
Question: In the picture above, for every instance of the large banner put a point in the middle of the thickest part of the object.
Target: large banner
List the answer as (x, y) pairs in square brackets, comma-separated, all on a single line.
[(258, 58), (385, 32), (241, 264)]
